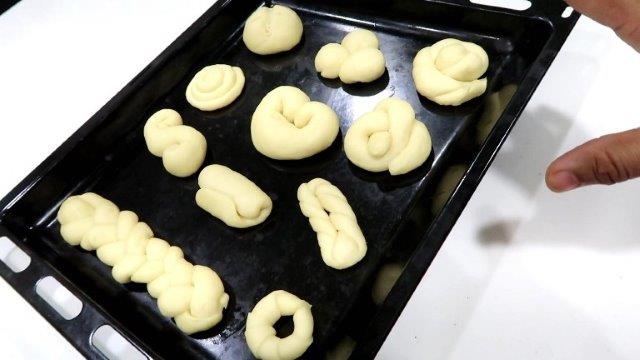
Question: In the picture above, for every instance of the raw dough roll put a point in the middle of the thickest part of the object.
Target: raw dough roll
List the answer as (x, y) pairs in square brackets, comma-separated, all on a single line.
[(448, 72), (231, 197), (356, 59), (261, 336), (193, 295), (341, 241), (272, 30), (181, 147), (388, 138), (287, 125), (215, 87)]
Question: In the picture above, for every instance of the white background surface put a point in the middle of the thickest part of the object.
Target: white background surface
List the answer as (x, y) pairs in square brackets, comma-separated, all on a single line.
[(525, 274)]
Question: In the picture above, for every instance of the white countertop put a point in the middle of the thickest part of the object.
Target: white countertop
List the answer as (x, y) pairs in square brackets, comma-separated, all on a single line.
[(525, 273)]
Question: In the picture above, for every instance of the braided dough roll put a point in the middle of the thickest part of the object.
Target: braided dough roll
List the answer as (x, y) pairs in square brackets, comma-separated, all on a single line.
[(287, 125), (448, 72), (341, 241), (356, 59), (261, 336), (271, 30), (215, 87), (181, 147), (193, 295), (388, 138), (231, 197)]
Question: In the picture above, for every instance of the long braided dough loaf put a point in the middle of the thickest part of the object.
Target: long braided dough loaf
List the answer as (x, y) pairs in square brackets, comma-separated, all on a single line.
[(192, 294), (339, 236)]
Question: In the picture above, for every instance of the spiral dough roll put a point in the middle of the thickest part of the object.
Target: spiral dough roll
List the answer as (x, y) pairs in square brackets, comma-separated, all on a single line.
[(191, 294), (261, 336), (341, 241), (181, 147), (388, 138), (215, 87), (448, 72), (287, 125)]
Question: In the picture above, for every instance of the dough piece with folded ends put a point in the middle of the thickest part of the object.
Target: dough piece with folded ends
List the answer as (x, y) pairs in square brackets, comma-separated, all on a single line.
[(261, 336), (270, 30), (356, 59), (193, 295), (181, 147), (231, 197), (388, 138), (215, 87), (287, 125), (449, 71), (341, 241)]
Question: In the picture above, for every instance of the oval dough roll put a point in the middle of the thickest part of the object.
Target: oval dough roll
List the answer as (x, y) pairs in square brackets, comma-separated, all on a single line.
[(448, 72), (271, 30), (287, 125), (231, 197), (388, 138)]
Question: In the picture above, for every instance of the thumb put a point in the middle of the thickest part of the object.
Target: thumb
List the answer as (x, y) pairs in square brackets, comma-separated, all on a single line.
[(607, 160)]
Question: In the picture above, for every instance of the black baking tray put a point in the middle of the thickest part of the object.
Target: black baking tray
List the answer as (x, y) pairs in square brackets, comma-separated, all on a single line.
[(107, 155)]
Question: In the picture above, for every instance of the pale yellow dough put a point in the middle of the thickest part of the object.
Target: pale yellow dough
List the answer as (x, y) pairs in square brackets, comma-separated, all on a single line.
[(181, 147), (388, 138), (341, 241), (271, 30), (287, 125), (261, 336), (356, 59), (449, 71), (215, 87), (193, 295), (231, 197)]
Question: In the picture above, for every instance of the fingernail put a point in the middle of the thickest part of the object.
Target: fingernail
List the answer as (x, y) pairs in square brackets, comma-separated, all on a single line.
[(563, 181)]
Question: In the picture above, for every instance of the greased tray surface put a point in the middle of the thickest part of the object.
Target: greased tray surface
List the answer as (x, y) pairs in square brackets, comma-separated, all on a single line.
[(108, 156)]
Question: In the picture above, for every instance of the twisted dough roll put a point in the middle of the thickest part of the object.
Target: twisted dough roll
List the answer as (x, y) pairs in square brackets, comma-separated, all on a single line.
[(272, 30), (215, 87), (181, 147), (448, 71), (231, 197), (193, 295), (388, 138), (356, 59), (287, 125), (261, 336), (339, 236)]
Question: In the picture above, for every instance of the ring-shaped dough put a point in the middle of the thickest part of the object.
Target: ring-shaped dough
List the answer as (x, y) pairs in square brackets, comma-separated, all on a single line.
[(181, 147), (261, 336), (287, 125), (356, 59), (231, 197), (449, 71), (341, 241), (271, 30), (215, 87), (388, 138)]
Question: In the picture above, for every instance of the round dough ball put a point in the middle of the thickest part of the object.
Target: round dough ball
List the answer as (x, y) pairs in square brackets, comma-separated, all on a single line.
[(329, 60), (272, 30), (448, 72), (364, 66), (360, 39)]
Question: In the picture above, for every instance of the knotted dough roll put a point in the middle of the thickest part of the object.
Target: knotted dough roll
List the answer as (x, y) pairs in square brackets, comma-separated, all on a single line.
[(261, 336), (215, 87), (181, 147), (341, 241), (271, 30), (287, 125), (388, 138), (231, 197), (356, 59), (449, 71), (193, 295)]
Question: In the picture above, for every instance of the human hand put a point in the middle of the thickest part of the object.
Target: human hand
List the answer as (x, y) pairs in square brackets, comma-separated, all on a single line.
[(612, 158)]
